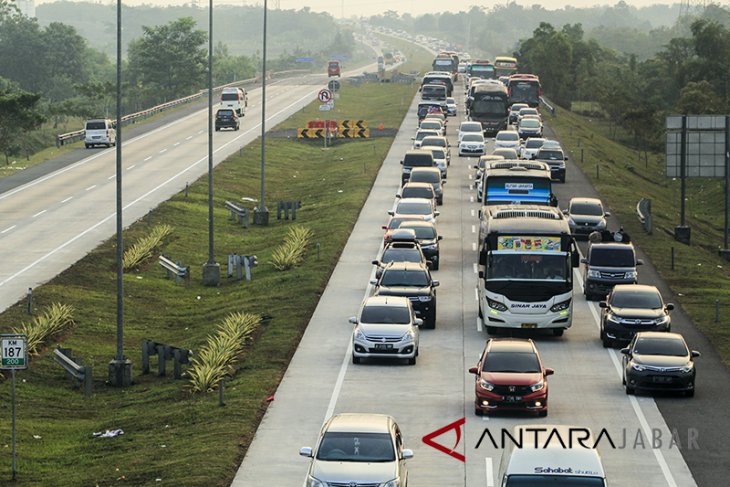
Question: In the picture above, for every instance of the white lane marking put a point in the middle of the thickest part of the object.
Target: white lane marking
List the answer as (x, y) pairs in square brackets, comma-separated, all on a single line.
[(471, 187), (489, 471), (67, 199), (39, 213), (473, 213), (112, 176), (476, 293), (476, 270), (91, 187), (479, 324), (613, 354), (147, 194), (8, 229), (176, 144), (471, 199), (131, 167), (147, 158), (474, 246), (188, 137), (163, 151), (473, 229), (470, 177)]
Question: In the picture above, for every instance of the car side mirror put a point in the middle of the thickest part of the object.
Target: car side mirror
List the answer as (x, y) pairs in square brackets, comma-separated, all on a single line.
[(436, 213), (626, 351), (440, 237), (384, 227), (406, 454), (375, 262), (429, 264), (353, 320), (475, 167), (473, 370), (583, 260), (374, 282), (565, 158), (695, 354), (391, 212), (670, 306), (306, 451), (401, 163), (549, 371), (639, 262), (565, 212), (418, 322), (603, 304), (413, 138), (435, 283), (607, 214), (481, 274)]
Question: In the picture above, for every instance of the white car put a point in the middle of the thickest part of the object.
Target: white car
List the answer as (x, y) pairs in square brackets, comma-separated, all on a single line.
[(385, 327), (472, 144), (529, 148), (508, 139), (418, 207), (470, 128), (526, 111), (432, 124), (420, 135), (439, 157), (451, 107)]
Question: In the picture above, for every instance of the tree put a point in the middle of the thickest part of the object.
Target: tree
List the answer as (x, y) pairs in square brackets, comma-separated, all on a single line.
[(18, 115), (698, 97), (170, 60)]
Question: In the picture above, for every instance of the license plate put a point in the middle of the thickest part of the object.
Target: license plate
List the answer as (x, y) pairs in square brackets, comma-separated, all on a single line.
[(512, 398), (383, 346), (529, 325), (661, 379)]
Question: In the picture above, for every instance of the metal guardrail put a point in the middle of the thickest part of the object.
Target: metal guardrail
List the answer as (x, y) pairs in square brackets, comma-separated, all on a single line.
[(643, 211), (69, 137), (238, 213), (175, 269), (164, 352), (80, 373), (547, 104)]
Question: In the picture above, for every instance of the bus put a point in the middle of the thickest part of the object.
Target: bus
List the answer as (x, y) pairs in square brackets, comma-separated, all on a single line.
[(517, 182), (488, 104), (447, 61), (505, 66), (524, 88), (481, 68), (525, 269)]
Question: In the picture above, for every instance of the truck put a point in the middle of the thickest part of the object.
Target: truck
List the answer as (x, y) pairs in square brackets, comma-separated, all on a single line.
[(525, 269), (447, 61), (489, 104)]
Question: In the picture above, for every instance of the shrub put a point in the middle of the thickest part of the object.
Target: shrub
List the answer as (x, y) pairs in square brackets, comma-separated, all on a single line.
[(52, 321), (143, 248), (291, 252)]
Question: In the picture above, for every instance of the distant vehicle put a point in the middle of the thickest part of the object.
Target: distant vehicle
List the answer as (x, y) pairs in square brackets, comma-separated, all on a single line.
[(411, 281), (505, 152), (439, 78), (226, 118), (631, 308), (423, 133), (470, 127), (656, 361), (421, 207), (481, 68), (381, 63), (348, 447), (99, 131), (394, 223), (555, 159), (510, 376), (489, 105), (415, 158), (385, 327), (610, 260), (402, 247), (526, 111), (529, 127), (440, 142), (432, 124), (334, 68), (507, 138), (505, 66), (585, 216), (530, 147), (431, 175), (416, 190), (447, 61), (428, 108), (236, 99), (451, 108), (525, 88), (472, 144), (433, 92), (514, 111), (439, 157), (428, 238)]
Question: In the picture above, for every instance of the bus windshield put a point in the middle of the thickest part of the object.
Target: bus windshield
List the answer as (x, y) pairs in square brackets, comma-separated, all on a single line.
[(485, 105), (553, 480), (512, 265), (508, 189), (482, 70), (525, 91)]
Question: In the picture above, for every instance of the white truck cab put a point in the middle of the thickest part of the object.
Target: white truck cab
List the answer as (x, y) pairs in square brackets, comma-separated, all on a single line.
[(235, 98)]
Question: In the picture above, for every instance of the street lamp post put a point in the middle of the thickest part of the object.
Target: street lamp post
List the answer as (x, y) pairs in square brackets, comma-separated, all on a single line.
[(211, 269), (261, 213), (120, 368)]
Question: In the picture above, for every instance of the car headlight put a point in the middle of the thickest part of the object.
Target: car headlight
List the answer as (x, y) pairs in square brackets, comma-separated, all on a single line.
[(538, 386), (601, 225), (560, 306), (391, 483), (429, 246), (496, 305), (663, 320), (359, 335), (487, 386), (631, 275), (612, 318), (638, 367), (313, 482), (594, 274), (424, 299), (687, 369), (409, 336)]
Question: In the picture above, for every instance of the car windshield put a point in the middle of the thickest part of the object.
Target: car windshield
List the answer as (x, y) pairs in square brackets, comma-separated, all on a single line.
[(399, 277), (425, 133), (630, 298), (425, 177), (530, 123), (661, 346), (507, 153), (438, 154), (553, 481), (396, 222), (508, 136), (612, 257), (517, 107), (533, 143), (550, 155), (229, 97), (473, 138), (414, 208), (225, 113), (401, 255), (424, 192), (356, 447), (431, 125), (451, 101), (470, 127), (433, 142), (528, 111), (423, 232), (385, 315), (511, 362), (590, 209)]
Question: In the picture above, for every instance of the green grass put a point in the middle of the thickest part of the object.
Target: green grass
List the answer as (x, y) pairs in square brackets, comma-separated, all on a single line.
[(170, 433), (624, 176)]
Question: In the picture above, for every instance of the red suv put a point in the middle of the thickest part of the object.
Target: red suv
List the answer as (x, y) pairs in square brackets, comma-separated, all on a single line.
[(334, 69), (510, 377)]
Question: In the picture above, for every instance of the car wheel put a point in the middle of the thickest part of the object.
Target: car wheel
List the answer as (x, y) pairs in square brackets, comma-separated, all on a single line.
[(605, 341), (88, 146), (492, 330), (690, 393), (481, 315), (629, 390), (412, 361), (562, 180), (355, 360), (558, 332), (237, 127), (432, 319), (435, 265), (217, 129), (542, 414), (478, 412), (416, 352)]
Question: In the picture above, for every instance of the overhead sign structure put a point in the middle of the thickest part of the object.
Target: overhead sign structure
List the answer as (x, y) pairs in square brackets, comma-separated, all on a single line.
[(704, 146), (13, 352), (324, 95)]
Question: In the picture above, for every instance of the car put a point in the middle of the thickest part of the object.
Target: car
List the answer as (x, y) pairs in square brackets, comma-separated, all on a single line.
[(529, 127), (530, 147), (439, 157), (414, 282), (610, 260), (235, 98), (394, 223), (451, 109), (505, 152), (482, 164), (657, 361), (413, 159), (100, 132), (428, 238), (550, 144), (555, 159), (514, 111), (415, 206), (526, 111), (431, 124), (470, 127), (358, 449), (385, 327), (432, 176), (421, 134), (427, 108), (403, 246), (585, 216), (472, 144), (440, 117), (510, 376), (226, 118), (416, 190), (441, 142), (630, 308), (507, 138)]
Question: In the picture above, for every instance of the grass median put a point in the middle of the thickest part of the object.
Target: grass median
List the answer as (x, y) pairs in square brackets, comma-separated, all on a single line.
[(171, 436), (623, 176)]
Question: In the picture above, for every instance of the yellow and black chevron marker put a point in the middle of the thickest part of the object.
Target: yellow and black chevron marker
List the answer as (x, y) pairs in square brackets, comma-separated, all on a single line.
[(353, 124), (354, 133), (310, 133)]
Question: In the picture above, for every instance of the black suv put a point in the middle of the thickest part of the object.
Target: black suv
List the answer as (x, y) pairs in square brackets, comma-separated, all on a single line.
[(226, 118), (402, 247), (608, 263), (428, 238), (415, 158), (631, 308), (414, 282), (555, 159)]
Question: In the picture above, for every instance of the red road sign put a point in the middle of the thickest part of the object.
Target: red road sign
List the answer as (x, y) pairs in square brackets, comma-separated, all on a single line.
[(324, 95)]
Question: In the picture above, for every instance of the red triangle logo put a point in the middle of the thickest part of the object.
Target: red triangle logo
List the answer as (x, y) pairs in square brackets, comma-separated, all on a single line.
[(456, 426)]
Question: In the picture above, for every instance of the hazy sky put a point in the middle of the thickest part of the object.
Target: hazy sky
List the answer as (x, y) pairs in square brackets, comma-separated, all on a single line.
[(372, 7)]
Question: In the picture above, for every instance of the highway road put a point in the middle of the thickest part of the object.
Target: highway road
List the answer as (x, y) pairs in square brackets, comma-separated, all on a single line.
[(586, 390)]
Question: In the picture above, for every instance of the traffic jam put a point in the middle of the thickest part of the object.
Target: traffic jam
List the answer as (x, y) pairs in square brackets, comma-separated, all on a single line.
[(528, 254)]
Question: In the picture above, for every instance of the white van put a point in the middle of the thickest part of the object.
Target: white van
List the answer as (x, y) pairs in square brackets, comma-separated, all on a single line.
[(555, 455), (235, 98), (99, 131)]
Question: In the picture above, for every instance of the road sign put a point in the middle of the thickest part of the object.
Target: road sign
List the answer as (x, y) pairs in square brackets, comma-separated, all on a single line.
[(353, 124), (324, 95), (325, 107), (13, 352), (305, 59), (334, 85)]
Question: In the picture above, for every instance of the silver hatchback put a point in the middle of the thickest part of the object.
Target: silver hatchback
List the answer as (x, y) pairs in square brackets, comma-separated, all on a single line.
[(359, 449)]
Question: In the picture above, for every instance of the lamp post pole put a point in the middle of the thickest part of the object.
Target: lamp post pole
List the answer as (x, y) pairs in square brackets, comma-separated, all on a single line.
[(261, 213)]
